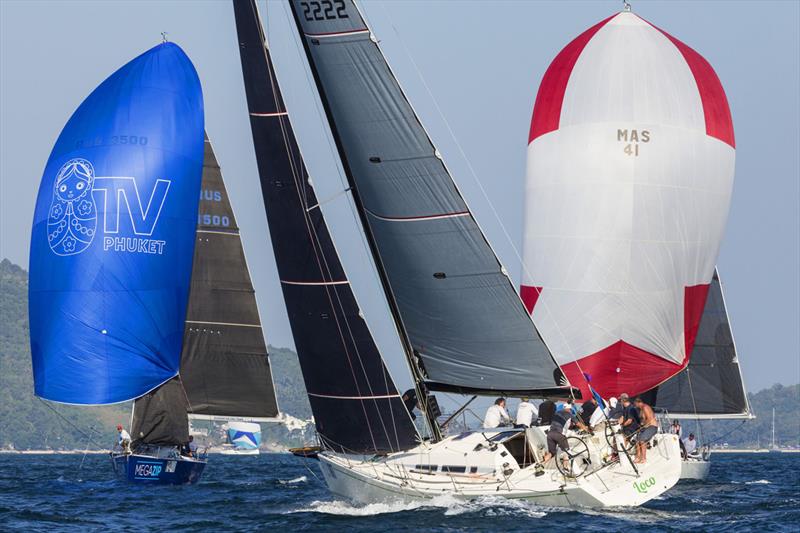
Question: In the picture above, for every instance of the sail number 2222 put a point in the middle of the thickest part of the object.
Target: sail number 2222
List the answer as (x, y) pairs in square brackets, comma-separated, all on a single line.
[(324, 10)]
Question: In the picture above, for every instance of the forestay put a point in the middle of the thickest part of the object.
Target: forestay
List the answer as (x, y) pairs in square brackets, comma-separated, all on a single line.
[(711, 386), (113, 235), (448, 292), (224, 366), (356, 405)]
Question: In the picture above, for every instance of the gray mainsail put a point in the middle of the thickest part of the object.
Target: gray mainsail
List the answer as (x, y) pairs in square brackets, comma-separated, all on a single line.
[(711, 386), (461, 321)]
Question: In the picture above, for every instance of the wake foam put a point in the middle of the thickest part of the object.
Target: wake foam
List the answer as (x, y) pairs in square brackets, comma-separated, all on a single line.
[(293, 481), (485, 506)]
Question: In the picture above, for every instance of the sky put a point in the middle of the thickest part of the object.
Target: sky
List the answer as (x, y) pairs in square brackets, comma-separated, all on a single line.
[(471, 70)]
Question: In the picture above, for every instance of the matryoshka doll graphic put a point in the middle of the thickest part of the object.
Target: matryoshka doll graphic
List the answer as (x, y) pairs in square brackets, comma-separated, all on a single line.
[(73, 215)]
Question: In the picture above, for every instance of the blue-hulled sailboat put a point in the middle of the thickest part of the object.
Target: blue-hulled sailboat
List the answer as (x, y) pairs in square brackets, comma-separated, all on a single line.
[(139, 288)]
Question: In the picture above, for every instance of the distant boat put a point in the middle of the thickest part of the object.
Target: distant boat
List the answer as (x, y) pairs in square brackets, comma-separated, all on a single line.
[(123, 304), (244, 438)]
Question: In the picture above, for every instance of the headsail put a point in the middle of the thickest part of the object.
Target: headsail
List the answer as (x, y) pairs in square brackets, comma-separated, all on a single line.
[(356, 405), (711, 386), (113, 234), (224, 365), (630, 173), (455, 307), (159, 417)]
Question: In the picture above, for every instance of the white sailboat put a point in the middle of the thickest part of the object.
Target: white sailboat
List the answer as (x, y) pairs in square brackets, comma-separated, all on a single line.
[(462, 326)]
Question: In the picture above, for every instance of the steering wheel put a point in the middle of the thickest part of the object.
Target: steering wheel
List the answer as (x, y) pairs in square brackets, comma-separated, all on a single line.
[(575, 461), (626, 445)]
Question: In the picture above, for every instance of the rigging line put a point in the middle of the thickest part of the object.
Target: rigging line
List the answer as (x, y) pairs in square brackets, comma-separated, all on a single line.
[(311, 229), (74, 426), (297, 178), (332, 150), (482, 189), (334, 154)]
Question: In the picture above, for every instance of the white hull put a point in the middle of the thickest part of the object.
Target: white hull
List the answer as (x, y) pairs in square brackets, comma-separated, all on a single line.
[(695, 469), (229, 451), (495, 472)]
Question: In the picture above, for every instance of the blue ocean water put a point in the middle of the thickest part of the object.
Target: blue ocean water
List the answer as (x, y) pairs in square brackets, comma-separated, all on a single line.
[(281, 493)]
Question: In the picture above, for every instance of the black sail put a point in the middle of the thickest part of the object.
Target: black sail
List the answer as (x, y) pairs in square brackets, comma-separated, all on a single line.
[(711, 386), (224, 364), (159, 417), (225, 371), (355, 403), (452, 300)]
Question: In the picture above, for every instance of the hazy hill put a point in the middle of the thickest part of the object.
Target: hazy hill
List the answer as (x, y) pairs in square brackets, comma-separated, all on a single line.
[(28, 423)]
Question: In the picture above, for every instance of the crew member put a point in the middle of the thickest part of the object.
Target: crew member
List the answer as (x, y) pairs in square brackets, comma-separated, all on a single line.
[(562, 421), (648, 431), (546, 411), (630, 416), (123, 439), (690, 444), (587, 410), (526, 413), (410, 401), (496, 415)]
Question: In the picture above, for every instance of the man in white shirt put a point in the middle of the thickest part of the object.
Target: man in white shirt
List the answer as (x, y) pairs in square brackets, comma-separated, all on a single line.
[(526, 413), (123, 438), (496, 415), (690, 444)]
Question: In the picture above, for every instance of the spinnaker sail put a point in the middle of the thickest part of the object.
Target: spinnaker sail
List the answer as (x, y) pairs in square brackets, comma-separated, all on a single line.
[(630, 173), (355, 403), (711, 386), (462, 324), (244, 435), (113, 235)]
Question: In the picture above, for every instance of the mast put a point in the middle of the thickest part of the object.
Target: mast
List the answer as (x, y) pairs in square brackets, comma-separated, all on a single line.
[(408, 350)]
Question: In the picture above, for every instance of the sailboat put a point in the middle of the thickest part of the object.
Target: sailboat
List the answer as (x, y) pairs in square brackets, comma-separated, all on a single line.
[(461, 324), (139, 289), (711, 387), (224, 373), (244, 438)]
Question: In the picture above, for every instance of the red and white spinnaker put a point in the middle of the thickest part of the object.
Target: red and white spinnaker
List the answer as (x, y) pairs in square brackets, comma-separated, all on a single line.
[(629, 179)]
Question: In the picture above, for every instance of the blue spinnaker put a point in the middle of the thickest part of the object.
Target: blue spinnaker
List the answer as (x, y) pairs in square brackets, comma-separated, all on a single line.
[(113, 235)]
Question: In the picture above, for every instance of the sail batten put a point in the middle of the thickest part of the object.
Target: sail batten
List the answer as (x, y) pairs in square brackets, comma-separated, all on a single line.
[(355, 403), (456, 310)]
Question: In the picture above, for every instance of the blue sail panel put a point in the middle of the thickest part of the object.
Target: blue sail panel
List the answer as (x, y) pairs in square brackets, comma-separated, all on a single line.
[(113, 235)]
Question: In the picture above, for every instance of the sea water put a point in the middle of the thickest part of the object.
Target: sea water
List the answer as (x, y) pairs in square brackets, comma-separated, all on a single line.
[(284, 494)]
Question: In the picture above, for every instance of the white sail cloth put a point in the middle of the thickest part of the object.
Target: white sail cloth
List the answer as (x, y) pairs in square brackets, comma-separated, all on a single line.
[(629, 179)]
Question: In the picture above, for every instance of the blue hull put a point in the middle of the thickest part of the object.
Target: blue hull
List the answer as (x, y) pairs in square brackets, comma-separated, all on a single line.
[(157, 471)]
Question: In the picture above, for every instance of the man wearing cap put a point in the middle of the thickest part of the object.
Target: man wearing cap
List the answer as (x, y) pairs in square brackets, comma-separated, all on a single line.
[(123, 439)]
